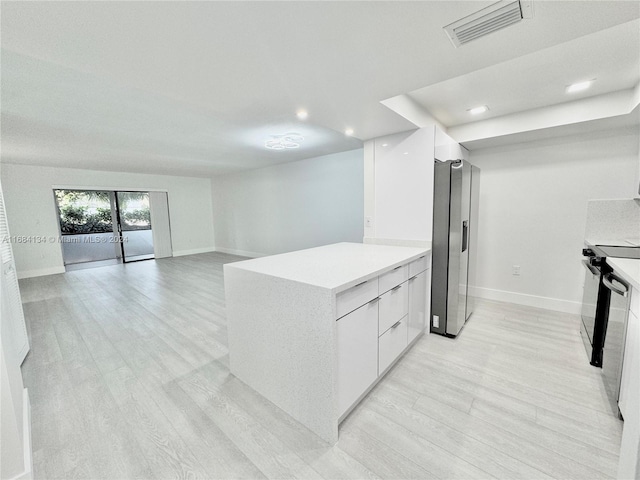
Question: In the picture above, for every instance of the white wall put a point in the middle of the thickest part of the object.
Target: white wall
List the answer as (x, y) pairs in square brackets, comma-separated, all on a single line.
[(290, 206), (533, 207), (28, 193)]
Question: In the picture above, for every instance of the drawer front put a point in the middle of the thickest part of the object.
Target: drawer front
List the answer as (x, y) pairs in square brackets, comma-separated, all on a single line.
[(393, 278), (418, 266), (355, 297), (391, 344), (393, 306)]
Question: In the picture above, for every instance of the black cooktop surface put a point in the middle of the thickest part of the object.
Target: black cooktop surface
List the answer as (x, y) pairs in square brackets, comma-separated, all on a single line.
[(617, 251)]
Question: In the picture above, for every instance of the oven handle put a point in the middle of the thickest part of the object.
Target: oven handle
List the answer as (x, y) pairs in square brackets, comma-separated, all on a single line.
[(591, 268), (606, 280)]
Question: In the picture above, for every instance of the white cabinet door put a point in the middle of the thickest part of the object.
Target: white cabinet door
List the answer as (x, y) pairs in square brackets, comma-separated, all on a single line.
[(418, 305), (403, 185), (357, 335), (13, 323), (629, 401)]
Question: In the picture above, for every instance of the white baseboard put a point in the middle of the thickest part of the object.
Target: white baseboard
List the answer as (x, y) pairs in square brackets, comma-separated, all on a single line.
[(548, 303), (40, 272), (241, 253), (26, 430), (194, 251)]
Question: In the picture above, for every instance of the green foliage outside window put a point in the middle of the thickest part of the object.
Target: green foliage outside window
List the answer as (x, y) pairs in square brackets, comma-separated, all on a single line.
[(89, 212)]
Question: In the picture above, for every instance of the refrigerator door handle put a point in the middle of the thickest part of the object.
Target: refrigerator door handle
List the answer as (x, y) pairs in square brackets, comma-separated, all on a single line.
[(465, 235)]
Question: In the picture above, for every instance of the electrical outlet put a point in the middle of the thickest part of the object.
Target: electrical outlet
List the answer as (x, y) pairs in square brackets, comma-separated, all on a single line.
[(368, 222), (515, 270), (436, 321)]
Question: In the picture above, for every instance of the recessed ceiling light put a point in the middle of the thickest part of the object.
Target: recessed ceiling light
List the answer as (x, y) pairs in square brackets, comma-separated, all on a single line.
[(302, 114), (285, 141), (348, 132), (385, 144), (406, 153), (579, 87), (478, 110)]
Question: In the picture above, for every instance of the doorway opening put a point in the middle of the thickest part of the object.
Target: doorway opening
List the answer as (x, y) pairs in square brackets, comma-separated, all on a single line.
[(104, 227)]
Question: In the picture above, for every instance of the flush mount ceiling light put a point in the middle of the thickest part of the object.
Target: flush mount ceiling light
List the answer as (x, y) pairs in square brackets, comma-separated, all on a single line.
[(578, 87), (302, 114), (478, 110), (286, 141), (488, 20), (348, 132)]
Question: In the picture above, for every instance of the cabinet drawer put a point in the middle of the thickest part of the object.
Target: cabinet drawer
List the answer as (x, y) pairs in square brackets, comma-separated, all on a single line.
[(393, 278), (419, 265), (357, 345), (393, 306), (355, 297), (391, 344)]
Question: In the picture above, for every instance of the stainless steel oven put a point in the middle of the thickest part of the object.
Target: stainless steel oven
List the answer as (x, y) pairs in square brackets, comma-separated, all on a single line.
[(605, 306)]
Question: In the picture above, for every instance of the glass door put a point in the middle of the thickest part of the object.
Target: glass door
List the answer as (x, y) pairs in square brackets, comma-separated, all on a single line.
[(134, 224), (87, 226)]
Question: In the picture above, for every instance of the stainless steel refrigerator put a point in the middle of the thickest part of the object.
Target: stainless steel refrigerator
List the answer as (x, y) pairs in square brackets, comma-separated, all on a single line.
[(455, 214)]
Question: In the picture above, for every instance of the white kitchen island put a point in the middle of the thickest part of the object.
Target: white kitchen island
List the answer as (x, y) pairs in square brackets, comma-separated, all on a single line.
[(313, 330)]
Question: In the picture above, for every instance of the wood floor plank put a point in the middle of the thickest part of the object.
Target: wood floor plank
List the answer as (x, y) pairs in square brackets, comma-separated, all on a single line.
[(503, 439), (555, 383), (588, 455), (472, 377), (326, 460), (266, 451), (382, 460), (607, 436), (216, 452), (161, 446), (392, 403), (429, 455)]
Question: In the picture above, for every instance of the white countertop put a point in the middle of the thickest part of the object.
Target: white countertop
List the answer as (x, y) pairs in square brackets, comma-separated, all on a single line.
[(336, 267), (627, 268), (624, 242)]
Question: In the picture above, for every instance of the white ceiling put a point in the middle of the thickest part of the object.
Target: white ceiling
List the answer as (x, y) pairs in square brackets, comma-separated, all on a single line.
[(195, 88), (611, 57)]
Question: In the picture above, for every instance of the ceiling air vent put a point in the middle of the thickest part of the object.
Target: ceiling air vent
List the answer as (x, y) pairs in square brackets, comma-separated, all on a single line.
[(488, 20)]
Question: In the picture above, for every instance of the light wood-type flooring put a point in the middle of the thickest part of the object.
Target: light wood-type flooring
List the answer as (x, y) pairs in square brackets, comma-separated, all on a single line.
[(128, 377)]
